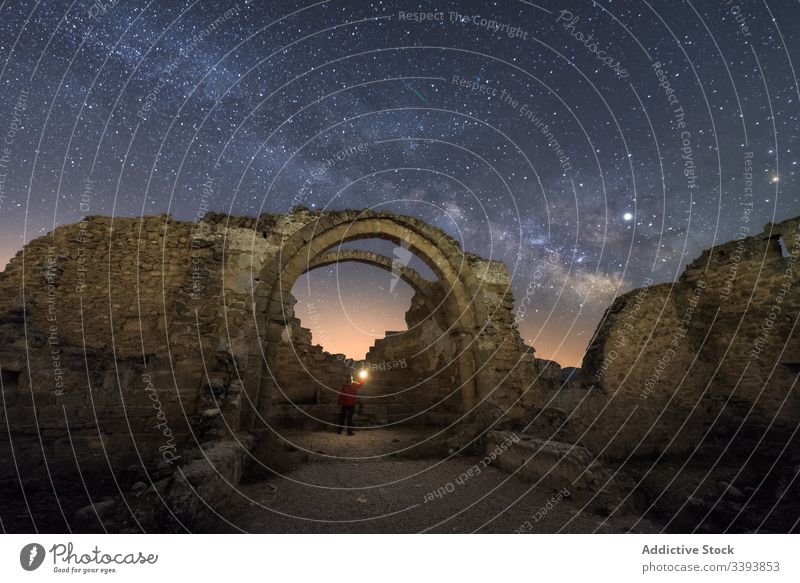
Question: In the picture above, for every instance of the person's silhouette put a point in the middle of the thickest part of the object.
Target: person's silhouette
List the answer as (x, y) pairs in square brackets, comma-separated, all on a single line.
[(348, 398)]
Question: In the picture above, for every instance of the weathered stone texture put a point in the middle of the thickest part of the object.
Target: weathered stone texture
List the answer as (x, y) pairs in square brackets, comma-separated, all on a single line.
[(710, 357), (134, 340), (133, 347)]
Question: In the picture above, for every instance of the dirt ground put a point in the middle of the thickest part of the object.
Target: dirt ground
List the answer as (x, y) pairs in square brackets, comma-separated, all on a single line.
[(368, 483)]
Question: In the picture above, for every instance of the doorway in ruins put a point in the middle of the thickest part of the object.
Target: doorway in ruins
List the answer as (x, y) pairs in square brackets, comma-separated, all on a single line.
[(366, 310), (420, 373)]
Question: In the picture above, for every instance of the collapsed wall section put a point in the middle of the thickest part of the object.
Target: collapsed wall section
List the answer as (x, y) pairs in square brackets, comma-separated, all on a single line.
[(712, 358)]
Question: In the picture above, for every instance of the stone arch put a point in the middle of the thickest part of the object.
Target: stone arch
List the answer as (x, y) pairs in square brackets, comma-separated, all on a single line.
[(408, 274), (426, 288), (315, 233)]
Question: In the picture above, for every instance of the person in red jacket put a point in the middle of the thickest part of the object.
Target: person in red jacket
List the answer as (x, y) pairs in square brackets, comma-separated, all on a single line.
[(348, 398)]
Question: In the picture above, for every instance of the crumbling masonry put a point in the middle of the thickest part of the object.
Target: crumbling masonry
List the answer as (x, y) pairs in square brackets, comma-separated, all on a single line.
[(152, 360)]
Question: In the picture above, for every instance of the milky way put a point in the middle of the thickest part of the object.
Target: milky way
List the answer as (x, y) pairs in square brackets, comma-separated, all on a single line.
[(590, 146)]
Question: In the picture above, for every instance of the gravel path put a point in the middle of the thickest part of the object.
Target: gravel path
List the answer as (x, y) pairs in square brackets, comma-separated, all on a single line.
[(331, 492)]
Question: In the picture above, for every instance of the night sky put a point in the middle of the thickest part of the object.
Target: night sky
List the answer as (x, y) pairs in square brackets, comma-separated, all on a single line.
[(588, 145)]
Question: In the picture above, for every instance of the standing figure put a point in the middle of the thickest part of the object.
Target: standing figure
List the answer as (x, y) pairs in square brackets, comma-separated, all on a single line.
[(348, 398)]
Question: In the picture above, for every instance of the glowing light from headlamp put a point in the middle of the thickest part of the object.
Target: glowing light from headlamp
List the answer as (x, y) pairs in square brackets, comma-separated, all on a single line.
[(362, 374)]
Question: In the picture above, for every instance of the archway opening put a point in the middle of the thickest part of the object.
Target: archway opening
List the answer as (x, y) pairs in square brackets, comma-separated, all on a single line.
[(341, 326), (426, 377), (348, 306)]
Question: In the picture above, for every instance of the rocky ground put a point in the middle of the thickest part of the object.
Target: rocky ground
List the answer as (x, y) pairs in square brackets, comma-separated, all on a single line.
[(335, 483)]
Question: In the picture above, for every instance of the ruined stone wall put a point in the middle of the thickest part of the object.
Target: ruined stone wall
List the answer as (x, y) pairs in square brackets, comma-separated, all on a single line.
[(305, 373), (127, 338), (131, 347), (504, 366), (84, 325), (710, 358), (133, 340), (412, 372), (500, 351)]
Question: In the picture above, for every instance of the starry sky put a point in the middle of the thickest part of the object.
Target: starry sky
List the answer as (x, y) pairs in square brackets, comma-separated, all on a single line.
[(588, 145)]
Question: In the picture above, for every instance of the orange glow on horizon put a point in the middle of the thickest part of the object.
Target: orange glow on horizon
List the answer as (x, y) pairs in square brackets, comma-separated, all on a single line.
[(350, 307), (348, 312), (5, 257), (349, 320)]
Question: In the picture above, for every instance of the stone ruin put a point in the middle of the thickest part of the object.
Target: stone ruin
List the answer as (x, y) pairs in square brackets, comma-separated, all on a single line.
[(149, 363), (138, 347)]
